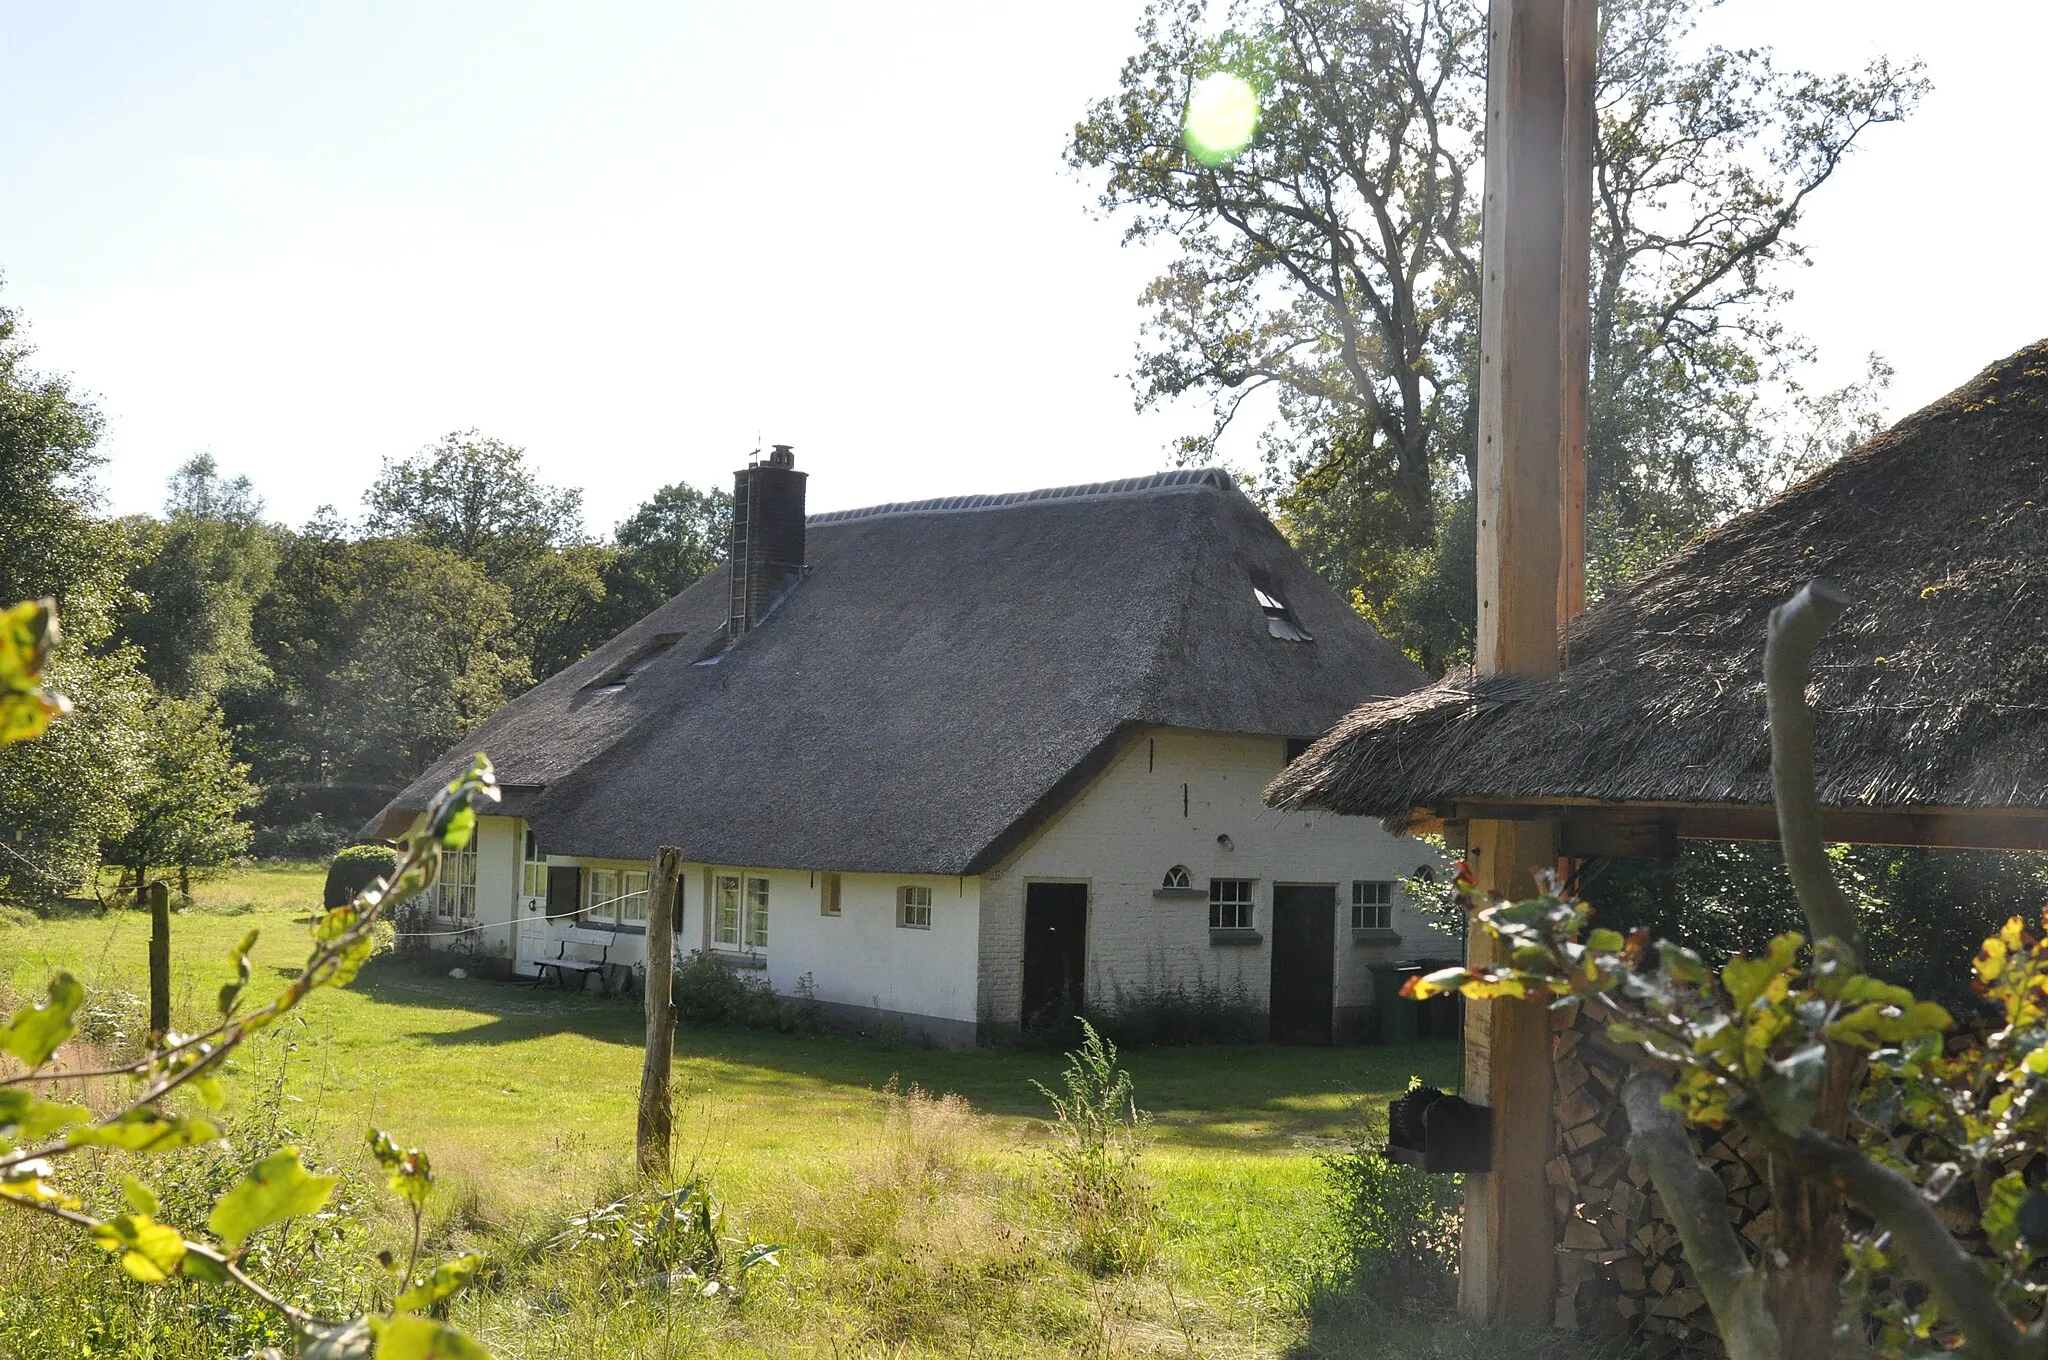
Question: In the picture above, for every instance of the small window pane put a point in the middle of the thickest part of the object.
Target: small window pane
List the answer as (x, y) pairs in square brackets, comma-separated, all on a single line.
[(1372, 904), (914, 907), (828, 895), (1230, 904), (633, 897), (601, 895), (757, 913), (725, 921)]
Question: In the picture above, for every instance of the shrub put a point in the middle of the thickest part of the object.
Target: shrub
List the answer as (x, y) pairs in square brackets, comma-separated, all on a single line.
[(355, 869), (313, 839), (710, 991), (1099, 1132), (1179, 1014), (1397, 1226)]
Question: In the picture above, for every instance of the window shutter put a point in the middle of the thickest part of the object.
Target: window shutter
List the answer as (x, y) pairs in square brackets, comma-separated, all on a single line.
[(565, 890)]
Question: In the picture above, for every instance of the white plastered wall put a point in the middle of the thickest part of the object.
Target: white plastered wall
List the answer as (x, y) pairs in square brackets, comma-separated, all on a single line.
[(1164, 800), (497, 888)]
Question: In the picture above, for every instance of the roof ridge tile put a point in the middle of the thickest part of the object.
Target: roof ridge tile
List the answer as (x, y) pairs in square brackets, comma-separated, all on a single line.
[(1181, 479)]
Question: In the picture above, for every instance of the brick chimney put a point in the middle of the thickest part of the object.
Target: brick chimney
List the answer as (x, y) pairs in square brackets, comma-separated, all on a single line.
[(767, 552)]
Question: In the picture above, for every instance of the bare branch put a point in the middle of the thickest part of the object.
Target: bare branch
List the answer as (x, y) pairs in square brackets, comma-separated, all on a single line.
[(1796, 627), (1698, 1205), (1956, 1279)]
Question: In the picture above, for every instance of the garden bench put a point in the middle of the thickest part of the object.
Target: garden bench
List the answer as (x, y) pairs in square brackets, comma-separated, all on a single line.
[(565, 967)]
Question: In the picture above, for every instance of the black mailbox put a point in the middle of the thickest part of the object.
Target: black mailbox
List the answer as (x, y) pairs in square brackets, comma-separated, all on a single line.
[(1439, 1132)]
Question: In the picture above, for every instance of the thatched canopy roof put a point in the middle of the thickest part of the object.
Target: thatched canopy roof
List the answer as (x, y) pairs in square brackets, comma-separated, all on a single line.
[(947, 674), (1930, 695)]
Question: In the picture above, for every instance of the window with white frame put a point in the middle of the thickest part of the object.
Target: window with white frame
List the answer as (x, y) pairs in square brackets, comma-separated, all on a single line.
[(455, 890), (725, 910), (757, 913), (633, 897), (533, 867), (1372, 905), (828, 895), (1230, 904), (601, 896), (1177, 879), (914, 907)]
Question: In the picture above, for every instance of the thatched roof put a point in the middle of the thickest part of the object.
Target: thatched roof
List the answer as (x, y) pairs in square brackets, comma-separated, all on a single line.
[(945, 676), (1932, 691)]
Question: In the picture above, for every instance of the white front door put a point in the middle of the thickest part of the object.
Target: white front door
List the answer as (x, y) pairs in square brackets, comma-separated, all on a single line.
[(532, 908)]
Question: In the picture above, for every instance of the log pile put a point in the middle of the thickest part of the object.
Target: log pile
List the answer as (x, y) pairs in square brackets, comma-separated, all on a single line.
[(1621, 1271)]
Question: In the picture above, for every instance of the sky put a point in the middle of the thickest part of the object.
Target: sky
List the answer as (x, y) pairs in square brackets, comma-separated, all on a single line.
[(643, 239)]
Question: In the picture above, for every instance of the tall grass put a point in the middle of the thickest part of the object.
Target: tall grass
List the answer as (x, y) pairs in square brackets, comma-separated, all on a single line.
[(1099, 1133)]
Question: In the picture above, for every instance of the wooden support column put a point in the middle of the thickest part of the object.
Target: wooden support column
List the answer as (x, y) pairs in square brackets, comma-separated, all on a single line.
[(1532, 336), (654, 1135)]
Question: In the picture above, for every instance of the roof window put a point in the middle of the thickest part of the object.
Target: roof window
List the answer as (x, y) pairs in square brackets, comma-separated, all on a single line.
[(612, 681), (1280, 620)]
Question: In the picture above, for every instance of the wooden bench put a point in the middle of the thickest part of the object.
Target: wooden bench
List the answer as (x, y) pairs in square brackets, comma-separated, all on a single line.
[(565, 967)]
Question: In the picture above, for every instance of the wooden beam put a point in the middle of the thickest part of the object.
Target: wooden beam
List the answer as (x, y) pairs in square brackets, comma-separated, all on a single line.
[(654, 1134), (1933, 828), (1575, 318), (1532, 341)]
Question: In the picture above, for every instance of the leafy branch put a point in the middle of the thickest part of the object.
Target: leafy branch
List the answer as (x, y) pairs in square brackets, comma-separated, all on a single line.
[(37, 1133)]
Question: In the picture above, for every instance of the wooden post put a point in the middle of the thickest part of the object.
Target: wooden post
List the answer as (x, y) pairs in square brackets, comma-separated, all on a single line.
[(158, 895), (1575, 323), (1532, 334), (657, 1118)]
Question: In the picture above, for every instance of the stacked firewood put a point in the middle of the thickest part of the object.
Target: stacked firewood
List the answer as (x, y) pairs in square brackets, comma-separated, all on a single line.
[(1621, 1270)]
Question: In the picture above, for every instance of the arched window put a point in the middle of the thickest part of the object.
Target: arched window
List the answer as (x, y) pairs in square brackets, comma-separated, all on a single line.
[(1177, 877)]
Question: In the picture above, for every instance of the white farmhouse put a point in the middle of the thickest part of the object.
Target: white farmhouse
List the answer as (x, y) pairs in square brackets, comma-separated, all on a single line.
[(955, 764)]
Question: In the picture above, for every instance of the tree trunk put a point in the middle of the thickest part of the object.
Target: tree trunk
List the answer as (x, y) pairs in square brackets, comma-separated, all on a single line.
[(185, 882), (159, 898), (657, 1117)]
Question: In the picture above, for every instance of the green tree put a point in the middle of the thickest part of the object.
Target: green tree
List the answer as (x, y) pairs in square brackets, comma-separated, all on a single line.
[(676, 536), (50, 542), (59, 797), (1332, 267), (476, 497), (64, 796), (197, 576), (186, 799), (385, 651)]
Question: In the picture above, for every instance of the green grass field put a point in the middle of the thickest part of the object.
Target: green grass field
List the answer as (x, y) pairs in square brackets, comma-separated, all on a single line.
[(526, 1100)]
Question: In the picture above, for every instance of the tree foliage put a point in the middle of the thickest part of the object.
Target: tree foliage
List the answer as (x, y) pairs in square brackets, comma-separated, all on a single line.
[(186, 802), (197, 575), (1333, 268)]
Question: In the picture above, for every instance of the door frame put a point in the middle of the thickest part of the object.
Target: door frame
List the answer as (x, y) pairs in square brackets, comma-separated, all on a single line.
[(1086, 882), (1337, 923)]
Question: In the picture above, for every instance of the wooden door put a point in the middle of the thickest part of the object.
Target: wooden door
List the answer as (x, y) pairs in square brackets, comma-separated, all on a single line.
[(1304, 964), (1055, 952)]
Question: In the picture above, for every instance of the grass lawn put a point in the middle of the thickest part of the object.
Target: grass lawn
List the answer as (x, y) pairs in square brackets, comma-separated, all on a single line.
[(526, 1100)]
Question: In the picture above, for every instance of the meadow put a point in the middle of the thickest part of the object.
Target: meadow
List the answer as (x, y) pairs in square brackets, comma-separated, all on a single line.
[(908, 1187)]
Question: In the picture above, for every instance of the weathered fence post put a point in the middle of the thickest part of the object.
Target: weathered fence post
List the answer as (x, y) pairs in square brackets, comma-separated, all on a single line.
[(651, 1143), (158, 895)]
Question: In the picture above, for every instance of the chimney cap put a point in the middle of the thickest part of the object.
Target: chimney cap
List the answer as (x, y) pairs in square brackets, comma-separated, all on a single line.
[(781, 456)]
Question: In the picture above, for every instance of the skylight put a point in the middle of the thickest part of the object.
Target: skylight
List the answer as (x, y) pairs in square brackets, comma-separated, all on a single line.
[(615, 680), (1280, 620)]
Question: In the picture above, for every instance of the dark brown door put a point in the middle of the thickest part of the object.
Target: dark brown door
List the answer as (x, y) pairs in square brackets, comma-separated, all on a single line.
[(1055, 952), (1304, 964)]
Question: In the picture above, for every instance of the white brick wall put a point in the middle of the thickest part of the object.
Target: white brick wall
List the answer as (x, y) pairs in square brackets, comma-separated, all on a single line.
[(1163, 801)]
